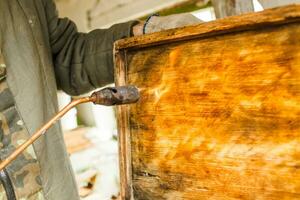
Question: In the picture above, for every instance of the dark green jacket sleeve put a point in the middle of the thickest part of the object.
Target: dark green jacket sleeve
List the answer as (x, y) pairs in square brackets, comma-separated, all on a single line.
[(82, 61)]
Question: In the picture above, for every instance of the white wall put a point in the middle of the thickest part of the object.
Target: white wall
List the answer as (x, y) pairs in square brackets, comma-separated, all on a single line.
[(91, 14)]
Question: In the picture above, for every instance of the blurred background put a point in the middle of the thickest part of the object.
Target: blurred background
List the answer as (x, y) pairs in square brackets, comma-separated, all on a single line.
[(91, 131)]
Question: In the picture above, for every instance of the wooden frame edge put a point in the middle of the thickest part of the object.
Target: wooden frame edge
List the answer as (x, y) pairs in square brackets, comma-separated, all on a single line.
[(123, 130), (244, 22)]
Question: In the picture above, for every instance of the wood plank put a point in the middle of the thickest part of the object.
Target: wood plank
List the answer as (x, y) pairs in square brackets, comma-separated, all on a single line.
[(218, 116), (226, 8), (76, 140), (249, 21)]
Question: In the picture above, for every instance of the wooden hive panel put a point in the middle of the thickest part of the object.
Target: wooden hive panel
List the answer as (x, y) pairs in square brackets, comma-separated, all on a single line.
[(219, 114)]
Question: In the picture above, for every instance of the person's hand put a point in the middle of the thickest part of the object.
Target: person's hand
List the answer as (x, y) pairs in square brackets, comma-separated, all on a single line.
[(157, 23), (138, 29)]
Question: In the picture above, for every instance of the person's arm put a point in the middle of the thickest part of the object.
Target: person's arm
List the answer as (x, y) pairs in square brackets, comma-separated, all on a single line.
[(82, 61)]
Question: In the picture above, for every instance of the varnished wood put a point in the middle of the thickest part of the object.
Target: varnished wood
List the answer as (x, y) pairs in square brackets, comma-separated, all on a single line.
[(219, 114), (226, 8)]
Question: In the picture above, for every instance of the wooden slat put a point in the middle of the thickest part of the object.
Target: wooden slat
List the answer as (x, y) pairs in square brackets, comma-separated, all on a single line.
[(226, 8), (124, 129), (250, 21)]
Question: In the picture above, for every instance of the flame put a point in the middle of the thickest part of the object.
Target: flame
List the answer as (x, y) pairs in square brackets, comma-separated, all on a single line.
[(163, 86), (161, 89)]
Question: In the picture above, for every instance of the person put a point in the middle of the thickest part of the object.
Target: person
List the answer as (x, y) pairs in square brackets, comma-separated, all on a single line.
[(41, 53)]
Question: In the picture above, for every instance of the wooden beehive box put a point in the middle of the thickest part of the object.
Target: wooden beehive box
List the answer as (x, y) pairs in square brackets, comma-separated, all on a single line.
[(219, 114)]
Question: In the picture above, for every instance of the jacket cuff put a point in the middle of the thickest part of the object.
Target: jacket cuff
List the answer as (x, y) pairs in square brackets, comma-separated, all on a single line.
[(123, 30)]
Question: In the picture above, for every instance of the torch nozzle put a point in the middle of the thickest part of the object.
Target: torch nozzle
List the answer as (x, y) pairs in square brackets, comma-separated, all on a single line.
[(116, 95)]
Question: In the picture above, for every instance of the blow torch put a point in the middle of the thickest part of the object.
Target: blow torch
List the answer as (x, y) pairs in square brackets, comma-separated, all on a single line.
[(109, 96)]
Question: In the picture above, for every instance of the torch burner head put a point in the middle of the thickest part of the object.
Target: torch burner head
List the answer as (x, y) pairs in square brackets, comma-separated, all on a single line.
[(120, 95)]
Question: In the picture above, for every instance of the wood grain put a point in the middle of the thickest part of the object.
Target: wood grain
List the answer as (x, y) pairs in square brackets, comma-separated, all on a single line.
[(219, 117)]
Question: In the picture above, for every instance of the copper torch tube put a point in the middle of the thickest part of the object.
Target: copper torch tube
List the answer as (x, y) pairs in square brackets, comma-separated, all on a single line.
[(107, 96), (43, 130)]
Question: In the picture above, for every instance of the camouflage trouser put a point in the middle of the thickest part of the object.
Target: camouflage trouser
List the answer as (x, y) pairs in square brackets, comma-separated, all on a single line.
[(24, 172)]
